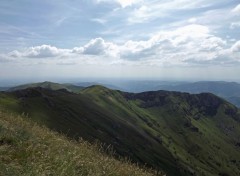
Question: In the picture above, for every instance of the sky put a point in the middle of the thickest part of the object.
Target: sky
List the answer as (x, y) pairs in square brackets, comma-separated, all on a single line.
[(147, 39)]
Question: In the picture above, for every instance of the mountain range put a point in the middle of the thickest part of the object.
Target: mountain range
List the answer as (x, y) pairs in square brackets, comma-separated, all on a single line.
[(178, 133), (227, 90), (48, 85)]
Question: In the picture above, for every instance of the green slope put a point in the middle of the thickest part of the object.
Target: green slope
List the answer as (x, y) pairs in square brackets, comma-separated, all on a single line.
[(201, 131), (179, 133), (49, 85), (28, 149), (77, 115)]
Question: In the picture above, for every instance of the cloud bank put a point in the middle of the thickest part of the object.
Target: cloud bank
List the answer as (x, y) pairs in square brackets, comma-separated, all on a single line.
[(122, 3), (189, 45), (43, 51)]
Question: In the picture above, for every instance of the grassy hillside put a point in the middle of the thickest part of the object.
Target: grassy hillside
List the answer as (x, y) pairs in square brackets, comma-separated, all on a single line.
[(179, 133), (77, 115), (49, 85), (198, 129), (28, 149)]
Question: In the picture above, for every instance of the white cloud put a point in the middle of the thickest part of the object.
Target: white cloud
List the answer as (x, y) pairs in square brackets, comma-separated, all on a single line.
[(122, 3), (236, 10), (98, 46), (150, 10), (43, 51), (236, 47), (142, 14), (99, 20), (185, 43), (3, 58), (77, 50), (192, 20), (191, 44), (235, 25), (125, 3), (66, 63)]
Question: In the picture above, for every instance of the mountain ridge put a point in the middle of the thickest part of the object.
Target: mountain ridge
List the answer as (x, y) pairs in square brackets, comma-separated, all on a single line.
[(151, 128), (227, 90), (48, 85)]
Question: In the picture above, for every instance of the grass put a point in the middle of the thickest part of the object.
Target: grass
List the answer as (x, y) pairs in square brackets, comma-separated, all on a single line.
[(179, 133), (28, 149), (49, 85)]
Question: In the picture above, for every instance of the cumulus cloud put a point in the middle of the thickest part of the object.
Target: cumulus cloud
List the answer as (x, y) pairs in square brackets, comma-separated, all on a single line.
[(95, 47), (236, 10), (98, 46), (43, 51), (191, 44), (185, 43), (236, 47)]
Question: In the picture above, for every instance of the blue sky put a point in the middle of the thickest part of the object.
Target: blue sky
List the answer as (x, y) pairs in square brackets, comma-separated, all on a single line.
[(164, 39)]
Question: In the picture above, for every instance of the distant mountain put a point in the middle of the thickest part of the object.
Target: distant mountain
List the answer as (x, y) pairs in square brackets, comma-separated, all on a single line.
[(88, 84), (4, 88), (75, 87), (179, 133), (220, 88), (49, 85), (137, 86), (227, 90)]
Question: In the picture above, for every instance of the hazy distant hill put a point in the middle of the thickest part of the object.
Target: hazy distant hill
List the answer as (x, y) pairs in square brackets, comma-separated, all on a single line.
[(4, 88), (137, 86), (179, 133), (228, 90), (220, 88)]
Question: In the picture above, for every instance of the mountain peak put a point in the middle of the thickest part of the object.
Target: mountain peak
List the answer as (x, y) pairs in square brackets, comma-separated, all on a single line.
[(49, 85), (96, 89)]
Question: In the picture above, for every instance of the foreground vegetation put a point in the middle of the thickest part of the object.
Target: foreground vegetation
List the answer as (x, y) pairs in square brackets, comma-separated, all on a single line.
[(179, 133), (28, 149)]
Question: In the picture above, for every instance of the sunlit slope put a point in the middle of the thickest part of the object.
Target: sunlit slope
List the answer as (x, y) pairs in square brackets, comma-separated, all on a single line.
[(28, 149), (179, 133), (77, 115)]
